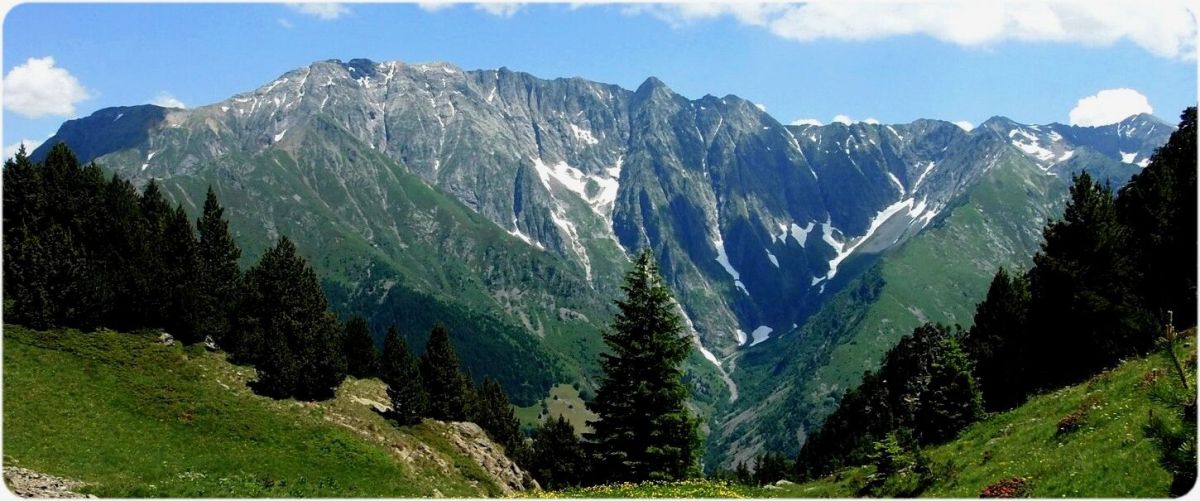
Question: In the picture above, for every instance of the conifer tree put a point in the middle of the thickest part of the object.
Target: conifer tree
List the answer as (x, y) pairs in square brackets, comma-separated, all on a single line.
[(398, 369), (645, 432), (495, 415), (998, 342), (298, 343), (180, 263), (450, 393), (1084, 307), (742, 474), (558, 459), (151, 276), (1159, 207), (362, 359), (218, 277)]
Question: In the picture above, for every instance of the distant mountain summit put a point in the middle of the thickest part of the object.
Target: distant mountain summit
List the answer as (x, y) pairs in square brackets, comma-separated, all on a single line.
[(515, 201)]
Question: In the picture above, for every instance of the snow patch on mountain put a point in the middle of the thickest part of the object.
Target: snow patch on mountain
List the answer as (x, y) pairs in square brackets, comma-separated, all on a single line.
[(896, 181), (914, 211), (772, 258), (723, 259), (1128, 157), (577, 181), (740, 336), (760, 334), (928, 168), (584, 135)]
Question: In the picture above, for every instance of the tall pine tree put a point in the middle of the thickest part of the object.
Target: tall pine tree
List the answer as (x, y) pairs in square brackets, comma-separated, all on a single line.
[(1159, 208), (495, 415), (180, 265), (645, 432), (218, 276), (362, 359), (1085, 309), (999, 343), (296, 342), (398, 369), (449, 390)]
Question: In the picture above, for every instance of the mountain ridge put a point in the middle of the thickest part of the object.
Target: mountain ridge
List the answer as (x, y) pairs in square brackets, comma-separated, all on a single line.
[(521, 198)]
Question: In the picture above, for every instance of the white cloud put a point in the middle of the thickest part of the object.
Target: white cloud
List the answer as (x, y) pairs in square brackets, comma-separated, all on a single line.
[(500, 9), (843, 119), (11, 150), (38, 88), (806, 121), (1167, 28), (285, 23), (1108, 107), (166, 100), (965, 125), (322, 11)]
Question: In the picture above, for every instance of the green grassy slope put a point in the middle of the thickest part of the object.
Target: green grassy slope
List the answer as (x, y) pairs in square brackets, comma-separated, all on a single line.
[(136, 419), (1109, 456)]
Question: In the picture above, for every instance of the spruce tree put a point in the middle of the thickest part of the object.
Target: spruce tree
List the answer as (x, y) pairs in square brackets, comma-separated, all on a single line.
[(450, 393), (742, 475), (495, 415), (999, 344), (645, 432), (1085, 309), (218, 277), (398, 369), (1159, 207), (362, 359), (297, 342), (180, 262), (558, 458), (151, 276)]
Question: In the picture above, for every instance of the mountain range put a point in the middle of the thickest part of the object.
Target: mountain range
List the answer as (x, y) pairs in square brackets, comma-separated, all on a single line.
[(508, 206)]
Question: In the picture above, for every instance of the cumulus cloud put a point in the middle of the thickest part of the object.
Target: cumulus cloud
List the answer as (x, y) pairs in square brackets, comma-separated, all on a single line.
[(38, 88), (166, 100), (806, 121), (11, 149), (842, 119), (965, 125), (500, 9), (871, 120), (322, 11), (285, 23), (1166, 29), (1108, 107)]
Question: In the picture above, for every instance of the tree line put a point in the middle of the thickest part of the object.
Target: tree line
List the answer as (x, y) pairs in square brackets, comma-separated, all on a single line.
[(1106, 280), (85, 251)]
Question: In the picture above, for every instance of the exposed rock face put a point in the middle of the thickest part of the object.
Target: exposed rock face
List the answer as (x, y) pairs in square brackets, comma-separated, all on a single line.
[(31, 484), (472, 441)]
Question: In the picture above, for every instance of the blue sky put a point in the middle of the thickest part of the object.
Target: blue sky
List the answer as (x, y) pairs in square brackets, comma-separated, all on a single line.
[(198, 54)]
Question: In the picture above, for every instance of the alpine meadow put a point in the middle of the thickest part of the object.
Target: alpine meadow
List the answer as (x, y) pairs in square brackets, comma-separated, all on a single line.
[(309, 250)]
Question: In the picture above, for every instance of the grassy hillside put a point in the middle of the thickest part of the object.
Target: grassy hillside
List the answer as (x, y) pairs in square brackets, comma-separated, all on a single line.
[(133, 418), (1108, 456)]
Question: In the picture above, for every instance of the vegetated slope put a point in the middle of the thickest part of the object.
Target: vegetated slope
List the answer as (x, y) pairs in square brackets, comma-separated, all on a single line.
[(133, 418), (1107, 456)]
